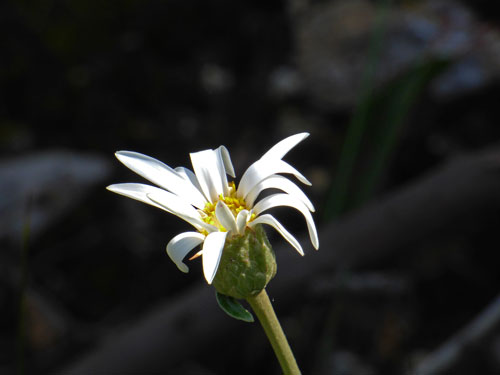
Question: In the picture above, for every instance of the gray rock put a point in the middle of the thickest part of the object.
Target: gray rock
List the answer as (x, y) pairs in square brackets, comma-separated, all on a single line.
[(44, 186), (333, 40)]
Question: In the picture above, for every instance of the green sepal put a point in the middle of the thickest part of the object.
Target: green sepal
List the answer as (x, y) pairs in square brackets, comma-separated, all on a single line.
[(247, 264), (233, 308)]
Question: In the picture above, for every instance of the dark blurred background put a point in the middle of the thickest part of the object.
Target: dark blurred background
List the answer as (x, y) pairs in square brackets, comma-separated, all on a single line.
[(389, 91)]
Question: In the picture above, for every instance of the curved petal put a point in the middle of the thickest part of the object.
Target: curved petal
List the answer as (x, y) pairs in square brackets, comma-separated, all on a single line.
[(181, 245), (212, 251), (278, 182), (241, 220), (270, 220), (161, 175), (225, 217), (287, 200), (262, 169), (280, 149), (137, 191), (209, 170), (226, 160), (173, 204)]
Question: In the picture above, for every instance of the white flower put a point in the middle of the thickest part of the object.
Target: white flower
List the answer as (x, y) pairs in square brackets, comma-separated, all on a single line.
[(212, 205)]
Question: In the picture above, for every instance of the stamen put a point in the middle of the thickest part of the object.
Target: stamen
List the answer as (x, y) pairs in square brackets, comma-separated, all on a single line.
[(235, 204), (198, 254)]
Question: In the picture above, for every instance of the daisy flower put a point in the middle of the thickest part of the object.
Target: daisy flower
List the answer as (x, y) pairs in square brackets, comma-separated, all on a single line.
[(214, 206)]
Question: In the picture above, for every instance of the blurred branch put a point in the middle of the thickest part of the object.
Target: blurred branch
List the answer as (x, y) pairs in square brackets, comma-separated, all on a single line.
[(450, 198), (451, 352), (21, 330)]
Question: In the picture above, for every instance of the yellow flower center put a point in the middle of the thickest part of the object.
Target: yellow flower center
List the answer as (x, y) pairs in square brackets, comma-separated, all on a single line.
[(234, 203)]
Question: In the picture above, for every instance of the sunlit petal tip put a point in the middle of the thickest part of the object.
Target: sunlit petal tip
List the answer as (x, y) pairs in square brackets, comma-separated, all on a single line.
[(182, 267), (124, 152), (304, 180), (226, 160), (280, 149), (162, 175), (212, 252), (280, 199), (126, 157), (315, 243)]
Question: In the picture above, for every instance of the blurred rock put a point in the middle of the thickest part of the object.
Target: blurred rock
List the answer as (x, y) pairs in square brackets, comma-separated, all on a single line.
[(333, 40), (494, 351), (215, 79), (45, 186), (362, 284), (345, 363), (192, 369), (284, 82)]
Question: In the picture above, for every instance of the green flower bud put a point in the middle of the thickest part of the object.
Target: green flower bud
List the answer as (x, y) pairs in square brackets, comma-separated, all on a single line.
[(247, 264)]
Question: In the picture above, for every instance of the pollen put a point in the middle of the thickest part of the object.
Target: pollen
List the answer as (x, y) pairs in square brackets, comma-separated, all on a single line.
[(234, 203)]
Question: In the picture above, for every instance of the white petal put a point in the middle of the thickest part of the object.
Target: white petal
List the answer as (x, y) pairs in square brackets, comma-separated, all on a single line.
[(280, 149), (226, 160), (188, 174), (209, 170), (136, 191), (181, 245), (225, 217), (270, 220), (223, 164), (278, 182), (212, 251), (173, 204), (162, 175), (287, 200), (261, 170), (241, 220)]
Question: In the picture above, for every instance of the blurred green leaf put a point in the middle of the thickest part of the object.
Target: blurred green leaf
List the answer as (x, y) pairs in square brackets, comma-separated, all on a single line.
[(233, 308), (375, 126), (337, 198), (388, 111)]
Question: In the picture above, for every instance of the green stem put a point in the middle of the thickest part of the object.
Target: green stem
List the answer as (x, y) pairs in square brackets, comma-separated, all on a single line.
[(263, 308)]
